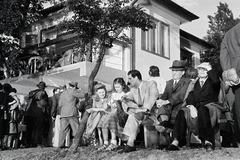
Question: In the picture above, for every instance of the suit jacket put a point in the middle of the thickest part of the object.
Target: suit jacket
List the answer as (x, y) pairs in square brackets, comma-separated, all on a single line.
[(200, 96), (55, 109), (149, 94), (230, 50), (176, 95), (67, 102)]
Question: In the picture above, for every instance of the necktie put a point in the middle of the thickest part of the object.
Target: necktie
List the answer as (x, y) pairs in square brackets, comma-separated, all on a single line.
[(174, 84), (139, 98), (201, 83)]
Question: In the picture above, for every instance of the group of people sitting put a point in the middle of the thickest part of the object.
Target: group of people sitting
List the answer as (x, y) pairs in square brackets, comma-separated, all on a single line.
[(188, 103)]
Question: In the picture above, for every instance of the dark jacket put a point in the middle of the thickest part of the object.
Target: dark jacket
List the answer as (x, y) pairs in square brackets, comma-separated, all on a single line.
[(55, 109), (175, 96), (39, 106), (200, 96)]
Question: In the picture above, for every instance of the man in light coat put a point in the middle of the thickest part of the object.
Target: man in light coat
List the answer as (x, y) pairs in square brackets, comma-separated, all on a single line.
[(68, 111), (137, 103)]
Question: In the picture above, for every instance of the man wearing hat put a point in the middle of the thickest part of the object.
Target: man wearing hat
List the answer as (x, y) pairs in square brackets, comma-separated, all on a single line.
[(170, 102), (204, 93), (68, 111), (36, 113)]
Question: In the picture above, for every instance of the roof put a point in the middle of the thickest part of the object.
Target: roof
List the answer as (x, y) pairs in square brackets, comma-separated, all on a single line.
[(195, 39), (178, 9)]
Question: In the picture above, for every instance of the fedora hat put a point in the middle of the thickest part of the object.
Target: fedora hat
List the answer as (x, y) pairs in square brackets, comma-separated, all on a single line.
[(74, 84), (41, 85), (179, 65)]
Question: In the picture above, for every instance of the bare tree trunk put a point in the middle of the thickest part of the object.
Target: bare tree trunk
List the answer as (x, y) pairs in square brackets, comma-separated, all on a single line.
[(96, 69)]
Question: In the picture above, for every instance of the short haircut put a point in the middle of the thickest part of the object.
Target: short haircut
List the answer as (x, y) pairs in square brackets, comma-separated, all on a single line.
[(135, 73), (154, 71)]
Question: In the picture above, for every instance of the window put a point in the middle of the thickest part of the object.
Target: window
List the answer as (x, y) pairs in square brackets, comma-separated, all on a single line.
[(157, 40)]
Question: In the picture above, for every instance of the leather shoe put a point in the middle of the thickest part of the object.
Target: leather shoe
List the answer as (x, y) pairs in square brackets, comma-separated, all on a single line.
[(172, 147), (209, 147), (218, 144), (162, 147), (166, 124), (127, 149)]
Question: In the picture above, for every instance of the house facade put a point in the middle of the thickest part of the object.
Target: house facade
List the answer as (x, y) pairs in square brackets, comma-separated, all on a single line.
[(159, 46)]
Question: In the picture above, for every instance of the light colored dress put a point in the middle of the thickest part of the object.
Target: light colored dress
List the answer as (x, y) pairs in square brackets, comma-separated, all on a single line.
[(95, 116), (161, 83)]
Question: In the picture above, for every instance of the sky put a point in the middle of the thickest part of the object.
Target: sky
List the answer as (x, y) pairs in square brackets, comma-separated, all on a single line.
[(203, 8)]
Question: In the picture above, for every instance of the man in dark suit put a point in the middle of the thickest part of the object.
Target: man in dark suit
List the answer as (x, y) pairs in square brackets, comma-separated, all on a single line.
[(205, 91), (172, 98), (69, 112), (230, 58), (139, 101), (36, 113)]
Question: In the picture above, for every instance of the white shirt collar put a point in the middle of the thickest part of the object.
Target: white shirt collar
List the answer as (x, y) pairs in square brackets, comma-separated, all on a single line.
[(202, 79), (140, 86)]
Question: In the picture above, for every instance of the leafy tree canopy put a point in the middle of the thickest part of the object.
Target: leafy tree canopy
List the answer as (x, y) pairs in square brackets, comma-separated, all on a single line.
[(15, 14), (95, 21), (219, 24)]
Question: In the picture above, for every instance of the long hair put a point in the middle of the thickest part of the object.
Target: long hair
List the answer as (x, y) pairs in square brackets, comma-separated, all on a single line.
[(122, 83)]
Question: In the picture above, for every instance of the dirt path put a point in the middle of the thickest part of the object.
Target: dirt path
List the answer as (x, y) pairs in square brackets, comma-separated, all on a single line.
[(88, 153)]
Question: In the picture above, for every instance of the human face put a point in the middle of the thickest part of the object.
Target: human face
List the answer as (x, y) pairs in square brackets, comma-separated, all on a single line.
[(177, 74), (202, 72), (118, 87), (101, 93), (132, 81)]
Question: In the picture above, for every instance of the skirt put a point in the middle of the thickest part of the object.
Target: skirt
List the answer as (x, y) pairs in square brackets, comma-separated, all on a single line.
[(108, 121)]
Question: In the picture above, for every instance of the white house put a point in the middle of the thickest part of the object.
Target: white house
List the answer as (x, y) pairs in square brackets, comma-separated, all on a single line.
[(159, 46)]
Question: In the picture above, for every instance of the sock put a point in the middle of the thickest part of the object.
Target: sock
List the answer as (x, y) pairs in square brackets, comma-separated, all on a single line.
[(114, 142), (130, 142), (105, 142), (175, 142)]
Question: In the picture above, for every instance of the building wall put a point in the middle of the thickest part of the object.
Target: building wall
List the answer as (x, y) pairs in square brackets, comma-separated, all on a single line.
[(145, 59), (121, 57)]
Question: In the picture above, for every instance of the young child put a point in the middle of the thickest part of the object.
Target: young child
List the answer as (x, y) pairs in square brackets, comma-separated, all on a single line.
[(116, 117)]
